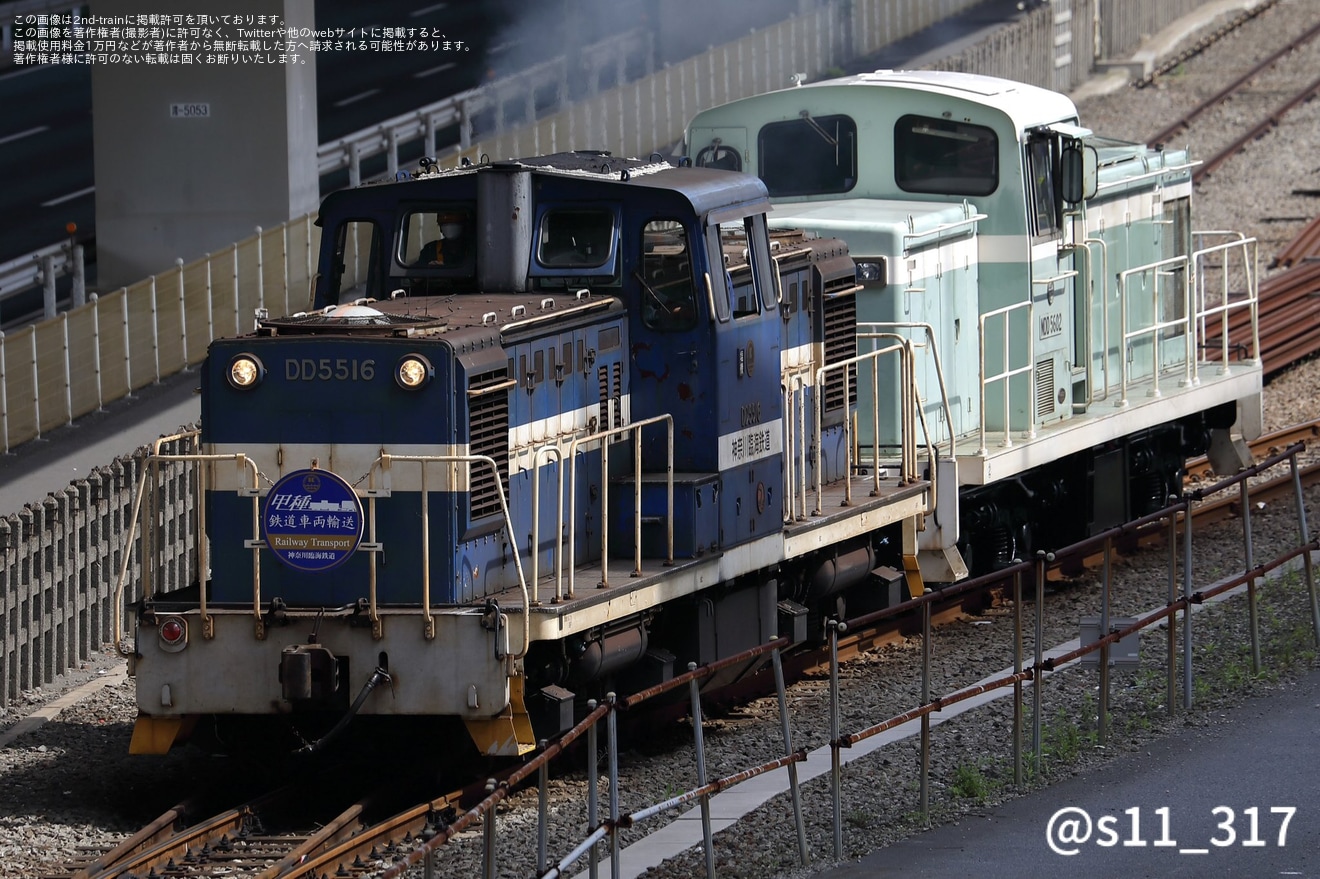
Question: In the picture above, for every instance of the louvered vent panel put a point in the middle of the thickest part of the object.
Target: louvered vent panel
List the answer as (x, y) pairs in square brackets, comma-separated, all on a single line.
[(840, 345), (1045, 388), (488, 435)]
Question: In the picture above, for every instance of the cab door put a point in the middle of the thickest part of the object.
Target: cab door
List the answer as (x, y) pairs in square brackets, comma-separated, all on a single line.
[(1059, 351)]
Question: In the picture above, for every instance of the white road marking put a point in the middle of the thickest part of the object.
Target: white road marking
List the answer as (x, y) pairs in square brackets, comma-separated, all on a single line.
[(70, 197), (23, 134), (419, 74), (346, 101)]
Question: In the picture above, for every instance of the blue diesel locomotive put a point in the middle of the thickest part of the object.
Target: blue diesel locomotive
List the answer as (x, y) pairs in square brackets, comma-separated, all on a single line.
[(548, 427)]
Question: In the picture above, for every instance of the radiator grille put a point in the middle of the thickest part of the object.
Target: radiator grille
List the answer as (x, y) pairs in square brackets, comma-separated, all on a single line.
[(488, 434), (840, 345), (1045, 388)]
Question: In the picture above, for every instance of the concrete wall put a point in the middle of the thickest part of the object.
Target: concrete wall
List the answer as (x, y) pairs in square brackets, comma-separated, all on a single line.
[(170, 187)]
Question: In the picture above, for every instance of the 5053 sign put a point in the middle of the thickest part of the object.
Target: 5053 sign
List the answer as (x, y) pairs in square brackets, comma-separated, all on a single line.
[(190, 111)]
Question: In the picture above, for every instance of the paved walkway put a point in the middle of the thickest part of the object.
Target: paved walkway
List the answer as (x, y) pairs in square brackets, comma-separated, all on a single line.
[(1241, 798)]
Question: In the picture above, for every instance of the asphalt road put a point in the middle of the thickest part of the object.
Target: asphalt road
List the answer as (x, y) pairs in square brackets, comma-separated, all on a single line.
[(46, 167)]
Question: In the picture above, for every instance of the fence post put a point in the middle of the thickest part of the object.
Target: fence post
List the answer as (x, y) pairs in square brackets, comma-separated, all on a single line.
[(155, 329), (210, 303), (48, 287), (311, 292), (488, 826), (1037, 670), (1306, 539), (284, 261), (699, 742), (68, 368), (1102, 722), (261, 272), (612, 732), (36, 385), (1171, 663), (1253, 611), (788, 750), (1017, 684), (1187, 609), (96, 352), (4, 407), (183, 313), (836, 775), (128, 345), (925, 716), (79, 277), (593, 795), (542, 809), (238, 327)]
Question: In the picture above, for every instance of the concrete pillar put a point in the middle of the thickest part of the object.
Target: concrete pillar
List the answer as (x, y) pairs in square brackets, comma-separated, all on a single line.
[(191, 157)]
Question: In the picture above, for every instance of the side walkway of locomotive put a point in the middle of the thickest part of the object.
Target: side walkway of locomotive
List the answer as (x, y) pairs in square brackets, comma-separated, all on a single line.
[(1073, 325), (547, 426)]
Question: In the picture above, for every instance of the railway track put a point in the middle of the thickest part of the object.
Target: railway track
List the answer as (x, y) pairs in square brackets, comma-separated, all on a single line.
[(1289, 327), (299, 830)]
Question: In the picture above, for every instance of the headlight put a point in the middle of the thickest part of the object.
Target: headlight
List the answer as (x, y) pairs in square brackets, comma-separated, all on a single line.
[(871, 271), (246, 371), (413, 372)]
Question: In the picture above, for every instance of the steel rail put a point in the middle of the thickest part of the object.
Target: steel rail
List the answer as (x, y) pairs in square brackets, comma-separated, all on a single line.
[(1228, 90)]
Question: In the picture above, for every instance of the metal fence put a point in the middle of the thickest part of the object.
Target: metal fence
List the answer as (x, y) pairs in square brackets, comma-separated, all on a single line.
[(55, 371), (60, 560), (614, 811)]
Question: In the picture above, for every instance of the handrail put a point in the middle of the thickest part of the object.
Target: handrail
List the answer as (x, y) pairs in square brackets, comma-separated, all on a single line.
[(1007, 373), (602, 437), (935, 353), (552, 448), (912, 394), (913, 237), (1250, 255), (384, 462), (243, 461), (1165, 268), (907, 462)]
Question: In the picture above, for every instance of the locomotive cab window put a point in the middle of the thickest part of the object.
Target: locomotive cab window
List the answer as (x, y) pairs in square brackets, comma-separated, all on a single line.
[(576, 239), (356, 268), (436, 249), (717, 155), (668, 294), (943, 157), (1043, 195), (808, 155), (437, 238), (744, 274)]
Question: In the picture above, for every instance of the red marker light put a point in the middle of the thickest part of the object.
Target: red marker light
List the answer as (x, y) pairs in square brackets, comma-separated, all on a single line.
[(172, 631)]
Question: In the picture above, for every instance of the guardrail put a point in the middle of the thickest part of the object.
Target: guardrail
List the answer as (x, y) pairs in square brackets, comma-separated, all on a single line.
[(43, 268), (561, 78)]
